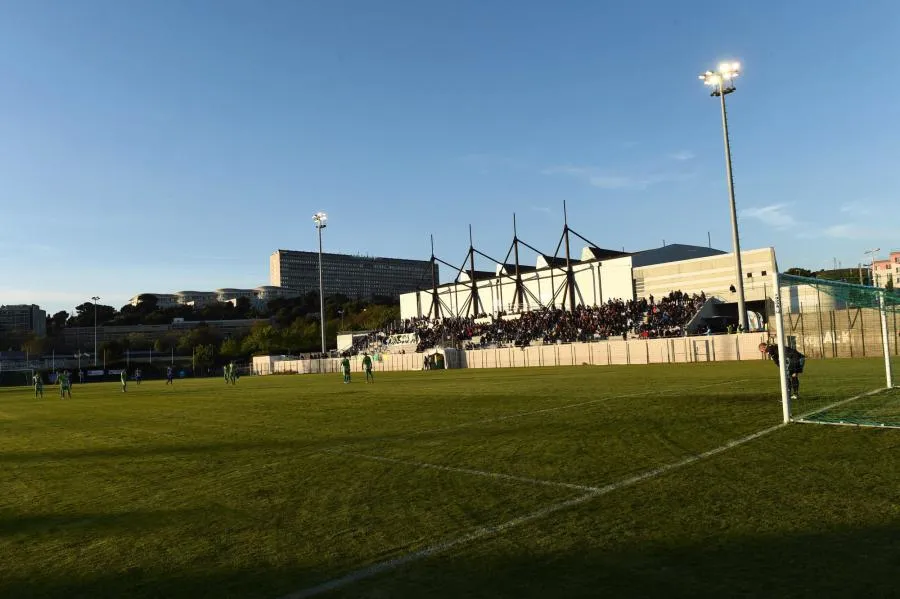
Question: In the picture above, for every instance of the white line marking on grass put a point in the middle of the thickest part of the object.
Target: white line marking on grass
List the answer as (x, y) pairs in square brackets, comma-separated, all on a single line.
[(497, 475), (486, 531), (568, 406)]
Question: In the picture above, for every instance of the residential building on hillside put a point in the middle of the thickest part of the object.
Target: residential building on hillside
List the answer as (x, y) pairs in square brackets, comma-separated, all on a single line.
[(23, 318), (353, 276), (163, 300), (257, 296), (887, 270)]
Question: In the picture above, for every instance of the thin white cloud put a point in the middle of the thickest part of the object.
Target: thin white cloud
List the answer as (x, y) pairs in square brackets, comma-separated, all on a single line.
[(682, 155), (601, 179), (617, 182), (857, 208), (774, 215), (854, 231)]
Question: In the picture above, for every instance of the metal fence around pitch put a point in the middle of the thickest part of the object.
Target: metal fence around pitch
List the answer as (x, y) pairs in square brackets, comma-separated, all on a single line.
[(841, 333)]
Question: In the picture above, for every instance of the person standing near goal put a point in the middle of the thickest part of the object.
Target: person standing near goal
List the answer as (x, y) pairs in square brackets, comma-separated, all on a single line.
[(123, 376), (169, 376), (794, 363), (345, 367), (65, 385), (38, 382), (367, 365)]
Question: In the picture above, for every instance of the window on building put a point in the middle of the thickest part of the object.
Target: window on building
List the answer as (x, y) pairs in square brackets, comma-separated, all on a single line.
[(763, 273), (749, 275)]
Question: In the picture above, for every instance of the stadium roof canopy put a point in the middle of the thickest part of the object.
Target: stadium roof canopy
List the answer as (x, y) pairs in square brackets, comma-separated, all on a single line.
[(510, 269), (544, 261), (595, 253), (674, 252), (480, 275)]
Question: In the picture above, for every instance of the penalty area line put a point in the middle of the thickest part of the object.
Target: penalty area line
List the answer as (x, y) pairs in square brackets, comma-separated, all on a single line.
[(491, 530), (485, 473), (566, 407)]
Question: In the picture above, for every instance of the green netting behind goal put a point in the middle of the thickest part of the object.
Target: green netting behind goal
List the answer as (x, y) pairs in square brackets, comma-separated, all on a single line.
[(881, 408), (839, 293), (826, 319)]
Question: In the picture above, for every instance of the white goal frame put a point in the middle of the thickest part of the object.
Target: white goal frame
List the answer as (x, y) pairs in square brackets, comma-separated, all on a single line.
[(779, 332)]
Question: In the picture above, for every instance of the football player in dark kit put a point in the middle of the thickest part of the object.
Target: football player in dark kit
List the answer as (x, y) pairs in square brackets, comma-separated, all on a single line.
[(794, 363)]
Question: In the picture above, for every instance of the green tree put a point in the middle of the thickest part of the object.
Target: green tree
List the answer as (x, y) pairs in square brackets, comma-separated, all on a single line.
[(199, 335), (243, 308), (889, 286), (84, 315), (204, 357), (137, 342), (263, 339), (799, 272), (56, 323), (230, 349), (114, 350), (147, 303), (165, 343)]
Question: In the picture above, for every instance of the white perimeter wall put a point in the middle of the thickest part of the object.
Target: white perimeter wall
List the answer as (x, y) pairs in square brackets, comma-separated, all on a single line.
[(678, 350)]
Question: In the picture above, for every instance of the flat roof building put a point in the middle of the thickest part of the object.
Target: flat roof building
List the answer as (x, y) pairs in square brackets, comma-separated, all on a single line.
[(353, 276), (23, 318)]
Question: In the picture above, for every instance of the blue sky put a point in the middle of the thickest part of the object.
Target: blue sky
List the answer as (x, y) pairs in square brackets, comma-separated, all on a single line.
[(158, 146)]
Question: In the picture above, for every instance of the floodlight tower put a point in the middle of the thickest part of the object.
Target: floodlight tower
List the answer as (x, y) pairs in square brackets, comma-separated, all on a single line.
[(321, 220), (872, 254), (722, 84), (96, 298)]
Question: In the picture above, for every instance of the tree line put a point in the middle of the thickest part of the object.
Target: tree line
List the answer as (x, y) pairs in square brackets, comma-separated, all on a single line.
[(288, 325)]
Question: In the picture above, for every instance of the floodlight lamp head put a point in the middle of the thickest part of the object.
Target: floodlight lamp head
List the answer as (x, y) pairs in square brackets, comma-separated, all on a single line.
[(725, 72), (710, 78), (320, 218)]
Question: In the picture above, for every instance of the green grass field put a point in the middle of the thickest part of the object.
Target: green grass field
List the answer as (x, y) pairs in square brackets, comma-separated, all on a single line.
[(282, 484)]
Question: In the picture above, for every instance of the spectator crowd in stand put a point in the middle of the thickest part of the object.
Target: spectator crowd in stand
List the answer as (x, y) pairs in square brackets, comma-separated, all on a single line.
[(644, 318)]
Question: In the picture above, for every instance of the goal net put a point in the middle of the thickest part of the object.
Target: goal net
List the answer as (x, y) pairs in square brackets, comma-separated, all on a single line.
[(832, 319), (16, 377)]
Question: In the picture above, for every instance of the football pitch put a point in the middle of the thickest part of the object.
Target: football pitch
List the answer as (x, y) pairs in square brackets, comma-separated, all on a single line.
[(638, 481)]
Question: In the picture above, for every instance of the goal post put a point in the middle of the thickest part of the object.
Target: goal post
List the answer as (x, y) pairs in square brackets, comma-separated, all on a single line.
[(832, 319), (779, 334)]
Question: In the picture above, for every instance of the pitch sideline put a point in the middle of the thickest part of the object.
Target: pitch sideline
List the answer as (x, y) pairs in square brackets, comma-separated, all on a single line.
[(486, 531)]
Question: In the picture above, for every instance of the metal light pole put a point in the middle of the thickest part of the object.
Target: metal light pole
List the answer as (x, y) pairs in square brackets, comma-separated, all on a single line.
[(96, 299), (872, 254), (721, 82), (321, 220)]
